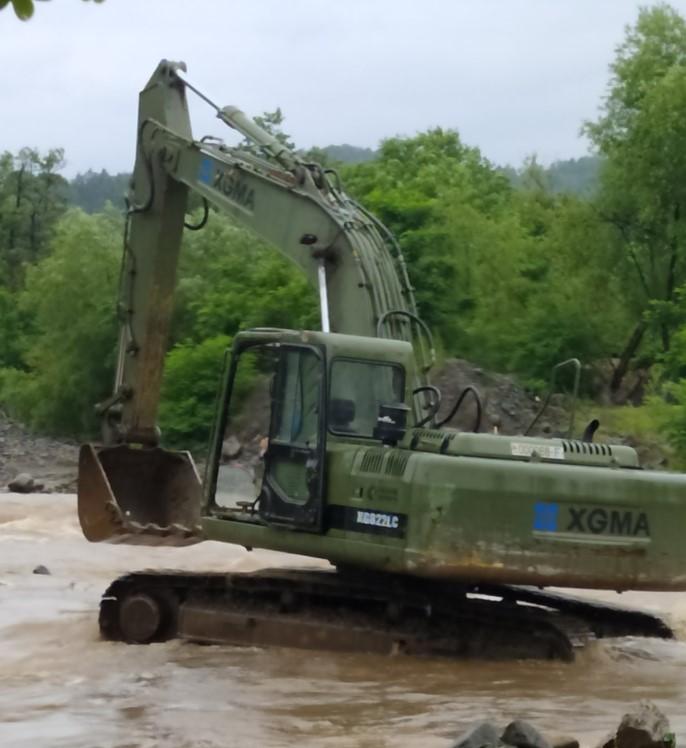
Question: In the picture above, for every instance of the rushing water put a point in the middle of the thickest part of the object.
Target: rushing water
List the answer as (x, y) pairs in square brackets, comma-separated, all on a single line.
[(60, 686)]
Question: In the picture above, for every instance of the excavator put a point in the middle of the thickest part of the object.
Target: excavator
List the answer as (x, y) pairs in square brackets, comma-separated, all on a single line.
[(440, 542)]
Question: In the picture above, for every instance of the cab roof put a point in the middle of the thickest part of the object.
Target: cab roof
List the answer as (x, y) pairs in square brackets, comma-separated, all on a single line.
[(337, 344)]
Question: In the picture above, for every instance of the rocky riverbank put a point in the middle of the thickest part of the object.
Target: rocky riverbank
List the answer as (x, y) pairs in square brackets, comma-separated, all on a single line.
[(34, 463), (47, 464)]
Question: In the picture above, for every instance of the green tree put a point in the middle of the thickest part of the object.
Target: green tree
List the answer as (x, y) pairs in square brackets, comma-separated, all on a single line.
[(32, 198), (271, 122), (435, 194), (641, 133), (68, 360), (544, 290)]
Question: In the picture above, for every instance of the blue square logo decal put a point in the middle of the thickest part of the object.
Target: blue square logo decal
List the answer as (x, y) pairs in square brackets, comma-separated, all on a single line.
[(206, 170), (545, 516)]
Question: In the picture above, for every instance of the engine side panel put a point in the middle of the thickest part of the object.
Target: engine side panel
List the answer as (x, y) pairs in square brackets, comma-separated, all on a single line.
[(546, 524)]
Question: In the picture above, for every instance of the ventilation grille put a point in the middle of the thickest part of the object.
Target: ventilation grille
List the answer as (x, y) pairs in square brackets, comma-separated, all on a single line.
[(372, 461), (586, 448), (429, 434), (396, 463)]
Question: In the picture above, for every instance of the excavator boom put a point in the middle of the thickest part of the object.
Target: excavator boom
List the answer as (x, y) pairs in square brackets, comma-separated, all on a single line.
[(297, 207)]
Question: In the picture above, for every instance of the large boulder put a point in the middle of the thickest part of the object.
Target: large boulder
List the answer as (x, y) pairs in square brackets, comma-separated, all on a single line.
[(24, 483), (523, 735), (644, 727), (482, 735)]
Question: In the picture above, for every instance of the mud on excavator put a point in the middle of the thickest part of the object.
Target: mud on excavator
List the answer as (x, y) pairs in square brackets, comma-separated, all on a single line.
[(440, 541)]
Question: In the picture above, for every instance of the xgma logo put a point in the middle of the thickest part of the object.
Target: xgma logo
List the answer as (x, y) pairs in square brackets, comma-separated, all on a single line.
[(229, 182), (553, 517)]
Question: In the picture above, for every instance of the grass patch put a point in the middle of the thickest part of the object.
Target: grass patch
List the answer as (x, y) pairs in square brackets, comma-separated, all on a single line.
[(642, 427)]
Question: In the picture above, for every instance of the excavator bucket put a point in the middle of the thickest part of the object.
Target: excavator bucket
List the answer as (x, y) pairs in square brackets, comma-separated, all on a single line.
[(146, 496)]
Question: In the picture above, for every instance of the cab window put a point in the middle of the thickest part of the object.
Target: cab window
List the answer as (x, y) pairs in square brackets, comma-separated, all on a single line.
[(296, 401), (357, 390)]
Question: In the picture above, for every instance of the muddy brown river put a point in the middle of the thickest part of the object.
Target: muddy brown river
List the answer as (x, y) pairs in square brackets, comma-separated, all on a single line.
[(60, 686)]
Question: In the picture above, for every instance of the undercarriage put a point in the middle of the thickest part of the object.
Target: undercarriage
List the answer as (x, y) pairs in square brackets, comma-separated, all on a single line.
[(348, 611)]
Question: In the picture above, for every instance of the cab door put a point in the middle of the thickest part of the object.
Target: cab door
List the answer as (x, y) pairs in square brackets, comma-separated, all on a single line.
[(293, 485)]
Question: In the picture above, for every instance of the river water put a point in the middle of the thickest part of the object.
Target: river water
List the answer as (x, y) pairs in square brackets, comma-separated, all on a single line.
[(60, 686)]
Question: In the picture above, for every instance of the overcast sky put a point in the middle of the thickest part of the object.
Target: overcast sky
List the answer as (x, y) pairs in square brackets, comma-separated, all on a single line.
[(515, 77)]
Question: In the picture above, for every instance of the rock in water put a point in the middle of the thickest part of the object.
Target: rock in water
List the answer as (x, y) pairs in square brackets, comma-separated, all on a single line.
[(644, 727), (231, 448), (523, 735), (24, 483), (40, 569), (482, 735)]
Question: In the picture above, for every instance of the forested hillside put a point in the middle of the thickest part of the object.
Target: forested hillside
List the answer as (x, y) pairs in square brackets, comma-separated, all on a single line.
[(515, 269)]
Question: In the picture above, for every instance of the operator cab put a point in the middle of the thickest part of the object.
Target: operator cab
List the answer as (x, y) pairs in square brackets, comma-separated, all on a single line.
[(287, 393)]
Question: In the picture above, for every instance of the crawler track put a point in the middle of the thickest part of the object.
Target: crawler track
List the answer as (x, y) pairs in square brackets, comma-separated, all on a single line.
[(385, 614)]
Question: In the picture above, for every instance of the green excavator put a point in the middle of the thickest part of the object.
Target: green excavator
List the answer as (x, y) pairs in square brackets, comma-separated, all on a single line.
[(440, 541)]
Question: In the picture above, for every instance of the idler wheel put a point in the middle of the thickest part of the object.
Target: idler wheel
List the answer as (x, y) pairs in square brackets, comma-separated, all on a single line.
[(140, 618)]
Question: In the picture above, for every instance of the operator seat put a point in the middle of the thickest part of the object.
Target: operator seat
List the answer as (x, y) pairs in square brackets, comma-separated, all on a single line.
[(341, 415)]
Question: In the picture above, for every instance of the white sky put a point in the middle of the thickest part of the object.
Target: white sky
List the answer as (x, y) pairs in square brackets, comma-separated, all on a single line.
[(515, 77)]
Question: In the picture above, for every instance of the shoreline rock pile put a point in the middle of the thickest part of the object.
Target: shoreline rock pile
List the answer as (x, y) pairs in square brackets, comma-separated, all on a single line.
[(643, 727)]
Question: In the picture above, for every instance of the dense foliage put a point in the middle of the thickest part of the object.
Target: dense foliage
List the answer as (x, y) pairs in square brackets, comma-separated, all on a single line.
[(66, 347), (501, 274), (516, 269)]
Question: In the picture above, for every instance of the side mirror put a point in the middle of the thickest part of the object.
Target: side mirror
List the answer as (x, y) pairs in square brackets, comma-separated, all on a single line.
[(391, 423)]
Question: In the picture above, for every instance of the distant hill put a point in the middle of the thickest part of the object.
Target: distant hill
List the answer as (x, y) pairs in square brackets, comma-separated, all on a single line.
[(578, 176), (91, 190), (349, 154)]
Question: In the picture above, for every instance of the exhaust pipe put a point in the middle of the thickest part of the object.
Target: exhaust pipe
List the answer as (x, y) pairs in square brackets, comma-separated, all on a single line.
[(141, 496)]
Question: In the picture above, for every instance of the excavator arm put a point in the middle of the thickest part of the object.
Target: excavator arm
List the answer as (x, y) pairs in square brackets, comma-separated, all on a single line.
[(298, 207)]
